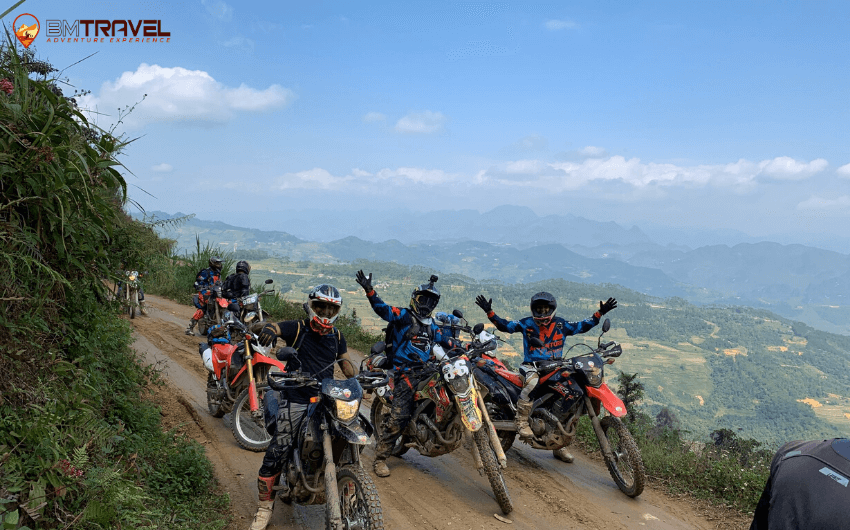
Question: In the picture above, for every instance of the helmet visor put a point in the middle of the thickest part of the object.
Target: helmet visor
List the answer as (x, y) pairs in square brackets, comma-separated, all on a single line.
[(426, 303), (324, 309), (541, 310)]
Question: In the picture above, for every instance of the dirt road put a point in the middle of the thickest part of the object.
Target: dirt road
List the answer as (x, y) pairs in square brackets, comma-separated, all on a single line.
[(444, 493)]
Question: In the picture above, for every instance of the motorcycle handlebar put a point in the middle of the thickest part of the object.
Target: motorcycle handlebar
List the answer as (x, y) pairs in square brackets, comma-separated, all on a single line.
[(370, 380)]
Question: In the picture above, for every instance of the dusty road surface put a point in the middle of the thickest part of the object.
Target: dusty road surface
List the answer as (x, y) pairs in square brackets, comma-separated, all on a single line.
[(444, 493)]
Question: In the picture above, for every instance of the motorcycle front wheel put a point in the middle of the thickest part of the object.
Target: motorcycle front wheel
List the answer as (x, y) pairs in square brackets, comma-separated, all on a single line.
[(358, 500), (493, 471), (626, 466), (249, 428), (379, 410)]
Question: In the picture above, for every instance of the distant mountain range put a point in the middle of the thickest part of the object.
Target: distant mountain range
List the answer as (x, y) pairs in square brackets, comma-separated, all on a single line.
[(512, 244)]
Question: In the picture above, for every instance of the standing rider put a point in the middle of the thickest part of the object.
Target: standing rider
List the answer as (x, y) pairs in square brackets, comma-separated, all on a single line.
[(204, 283), (413, 332), (318, 344), (551, 330)]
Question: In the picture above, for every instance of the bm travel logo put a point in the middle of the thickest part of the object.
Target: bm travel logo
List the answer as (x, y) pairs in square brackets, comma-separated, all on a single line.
[(93, 30)]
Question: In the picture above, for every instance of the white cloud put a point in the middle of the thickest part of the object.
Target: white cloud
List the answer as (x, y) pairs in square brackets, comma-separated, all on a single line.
[(313, 178), (786, 168), (370, 117), (425, 122), (820, 203), (218, 9), (592, 151), (240, 42), (556, 25), (360, 173), (843, 171), (181, 95), (162, 168), (417, 175)]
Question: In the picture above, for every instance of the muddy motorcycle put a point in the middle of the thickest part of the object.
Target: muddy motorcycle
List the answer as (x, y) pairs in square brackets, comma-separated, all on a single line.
[(447, 408), (568, 388), (128, 290), (215, 304), (250, 307), (324, 466), (240, 389)]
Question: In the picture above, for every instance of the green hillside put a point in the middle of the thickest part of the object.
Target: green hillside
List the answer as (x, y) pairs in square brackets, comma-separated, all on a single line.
[(739, 368)]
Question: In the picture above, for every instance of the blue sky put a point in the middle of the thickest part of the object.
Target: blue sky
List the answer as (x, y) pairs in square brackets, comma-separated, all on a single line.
[(689, 114)]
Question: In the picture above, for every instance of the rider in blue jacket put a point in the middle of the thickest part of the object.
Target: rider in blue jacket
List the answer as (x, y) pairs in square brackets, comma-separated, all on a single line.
[(413, 334), (204, 282), (551, 330)]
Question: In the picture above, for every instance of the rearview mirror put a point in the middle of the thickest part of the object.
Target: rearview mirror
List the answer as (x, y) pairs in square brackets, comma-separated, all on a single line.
[(534, 341), (287, 353), (606, 325), (478, 328), (378, 347), (458, 313), (269, 281)]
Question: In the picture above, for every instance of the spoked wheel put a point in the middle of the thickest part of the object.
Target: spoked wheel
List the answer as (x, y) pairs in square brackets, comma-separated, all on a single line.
[(493, 471), (249, 428), (358, 500), (379, 410), (213, 403), (626, 467)]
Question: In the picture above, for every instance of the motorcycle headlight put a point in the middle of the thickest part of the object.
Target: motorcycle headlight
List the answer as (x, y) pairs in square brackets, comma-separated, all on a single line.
[(594, 377), (346, 410), (132, 277)]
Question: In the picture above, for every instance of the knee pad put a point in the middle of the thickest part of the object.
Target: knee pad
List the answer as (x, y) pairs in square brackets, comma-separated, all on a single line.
[(198, 314)]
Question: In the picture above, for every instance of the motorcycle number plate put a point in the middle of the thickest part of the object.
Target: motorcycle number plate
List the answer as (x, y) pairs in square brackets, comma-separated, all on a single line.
[(455, 369)]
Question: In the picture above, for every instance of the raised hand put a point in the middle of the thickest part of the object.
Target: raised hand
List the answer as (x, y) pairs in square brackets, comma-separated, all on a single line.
[(364, 281), (604, 307), (483, 303)]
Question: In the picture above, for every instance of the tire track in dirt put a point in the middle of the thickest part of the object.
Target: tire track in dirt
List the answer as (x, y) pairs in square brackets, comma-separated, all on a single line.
[(443, 493)]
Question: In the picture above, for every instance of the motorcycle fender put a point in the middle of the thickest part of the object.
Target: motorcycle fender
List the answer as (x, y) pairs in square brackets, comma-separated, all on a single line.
[(356, 432), (609, 399), (469, 412), (259, 358)]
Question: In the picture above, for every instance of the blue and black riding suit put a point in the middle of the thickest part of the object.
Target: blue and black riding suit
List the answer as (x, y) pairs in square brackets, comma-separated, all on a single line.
[(204, 282), (552, 335), (412, 342)]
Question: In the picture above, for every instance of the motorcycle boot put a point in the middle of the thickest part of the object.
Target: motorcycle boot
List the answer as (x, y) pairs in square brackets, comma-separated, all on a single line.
[(523, 409), (563, 455), (142, 308), (380, 468), (191, 329), (265, 488)]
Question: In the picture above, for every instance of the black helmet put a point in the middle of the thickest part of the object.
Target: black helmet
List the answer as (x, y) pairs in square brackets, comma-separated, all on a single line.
[(543, 306), (323, 305), (216, 263), (424, 299), (243, 266)]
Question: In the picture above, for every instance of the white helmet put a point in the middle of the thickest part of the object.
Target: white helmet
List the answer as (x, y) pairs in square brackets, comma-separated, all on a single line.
[(323, 305)]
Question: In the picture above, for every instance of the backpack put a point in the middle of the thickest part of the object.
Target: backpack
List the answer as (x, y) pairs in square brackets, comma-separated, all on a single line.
[(228, 286), (299, 337)]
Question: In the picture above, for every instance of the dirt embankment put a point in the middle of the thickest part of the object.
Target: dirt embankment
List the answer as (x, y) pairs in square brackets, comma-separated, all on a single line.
[(444, 493)]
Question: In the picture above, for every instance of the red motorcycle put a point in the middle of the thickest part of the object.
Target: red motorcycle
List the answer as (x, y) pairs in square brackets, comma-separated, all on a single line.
[(568, 388), (237, 383)]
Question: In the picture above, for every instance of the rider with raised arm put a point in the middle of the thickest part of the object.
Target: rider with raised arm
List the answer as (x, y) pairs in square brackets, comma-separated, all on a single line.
[(413, 334), (551, 330), (318, 344)]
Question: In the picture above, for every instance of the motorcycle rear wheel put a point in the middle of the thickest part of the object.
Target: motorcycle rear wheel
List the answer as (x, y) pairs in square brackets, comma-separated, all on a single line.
[(493, 471), (215, 407), (626, 467), (379, 410), (250, 432), (358, 500)]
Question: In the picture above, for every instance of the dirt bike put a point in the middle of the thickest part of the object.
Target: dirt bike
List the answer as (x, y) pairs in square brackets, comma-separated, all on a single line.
[(250, 308), (129, 292), (216, 305), (568, 388), (240, 389), (447, 408), (327, 448)]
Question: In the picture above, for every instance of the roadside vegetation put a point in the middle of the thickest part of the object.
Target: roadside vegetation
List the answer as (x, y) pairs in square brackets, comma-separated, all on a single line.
[(79, 447)]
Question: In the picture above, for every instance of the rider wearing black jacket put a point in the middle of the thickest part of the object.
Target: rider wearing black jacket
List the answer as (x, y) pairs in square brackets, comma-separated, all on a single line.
[(318, 344)]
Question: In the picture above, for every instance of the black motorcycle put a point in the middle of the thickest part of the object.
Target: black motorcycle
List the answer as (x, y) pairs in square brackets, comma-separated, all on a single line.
[(324, 466)]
